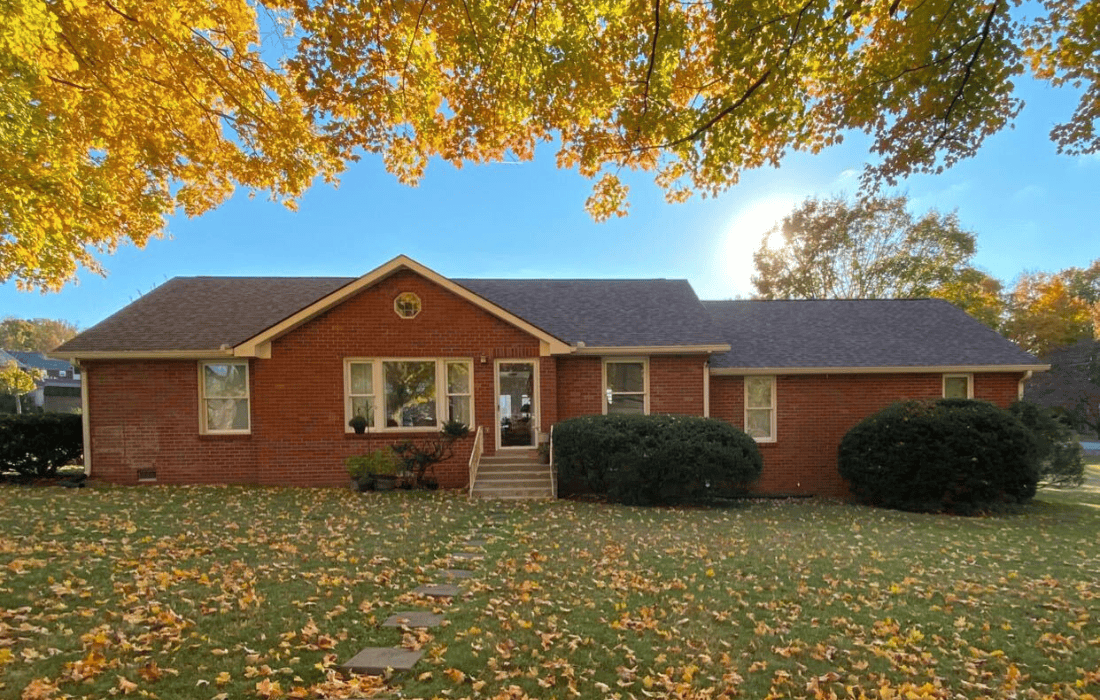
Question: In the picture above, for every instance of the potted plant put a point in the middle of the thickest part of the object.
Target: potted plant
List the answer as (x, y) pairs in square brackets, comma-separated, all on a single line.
[(358, 423), (454, 429), (376, 469)]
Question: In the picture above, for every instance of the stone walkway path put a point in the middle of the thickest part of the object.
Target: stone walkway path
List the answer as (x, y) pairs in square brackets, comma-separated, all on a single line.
[(379, 660)]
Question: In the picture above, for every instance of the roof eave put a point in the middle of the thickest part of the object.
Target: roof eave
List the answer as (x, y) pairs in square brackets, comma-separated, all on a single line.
[(898, 369), (582, 349), (73, 356)]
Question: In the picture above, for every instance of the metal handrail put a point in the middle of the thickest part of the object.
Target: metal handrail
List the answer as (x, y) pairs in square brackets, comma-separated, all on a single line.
[(475, 456)]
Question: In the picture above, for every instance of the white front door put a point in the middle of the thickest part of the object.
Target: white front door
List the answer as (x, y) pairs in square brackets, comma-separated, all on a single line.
[(516, 403)]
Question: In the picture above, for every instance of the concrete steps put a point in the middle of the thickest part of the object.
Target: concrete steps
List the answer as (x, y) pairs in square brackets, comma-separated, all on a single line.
[(513, 476)]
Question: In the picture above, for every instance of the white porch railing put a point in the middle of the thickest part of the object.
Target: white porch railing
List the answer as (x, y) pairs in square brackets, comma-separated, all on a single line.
[(475, 456)]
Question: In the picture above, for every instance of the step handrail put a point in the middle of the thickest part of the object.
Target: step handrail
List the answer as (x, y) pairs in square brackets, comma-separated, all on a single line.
[(475, 456)]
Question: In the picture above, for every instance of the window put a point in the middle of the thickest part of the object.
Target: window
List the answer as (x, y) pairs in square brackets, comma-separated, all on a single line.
[(760, 408), (407, 305), (625, 384), (958, 386), (408, 392), (223, 389)]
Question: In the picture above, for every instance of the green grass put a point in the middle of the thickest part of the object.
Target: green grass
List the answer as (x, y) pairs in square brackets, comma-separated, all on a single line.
[(238, 592)]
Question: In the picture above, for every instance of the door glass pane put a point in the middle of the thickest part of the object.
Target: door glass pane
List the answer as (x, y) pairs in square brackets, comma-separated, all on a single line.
[(515, 403), (410, 394), (625, 376)]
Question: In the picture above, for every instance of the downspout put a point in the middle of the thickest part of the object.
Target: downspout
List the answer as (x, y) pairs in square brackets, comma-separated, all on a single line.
[(85, 418), (1020, 386), (706, 388)]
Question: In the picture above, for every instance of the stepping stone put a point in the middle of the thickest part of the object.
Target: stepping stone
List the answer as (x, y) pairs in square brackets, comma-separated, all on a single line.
[(374, 661), (476, 542), (457, 573), (467, 556), (413, 618), (439, 590)]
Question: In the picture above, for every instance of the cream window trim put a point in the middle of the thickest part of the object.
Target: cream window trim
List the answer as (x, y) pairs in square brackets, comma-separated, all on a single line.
[(969, 384), (608, 392), (377, 393), (772, 412), (204, 428)]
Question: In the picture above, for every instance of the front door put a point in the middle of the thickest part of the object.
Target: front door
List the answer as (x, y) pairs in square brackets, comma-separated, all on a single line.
[(517, 404)]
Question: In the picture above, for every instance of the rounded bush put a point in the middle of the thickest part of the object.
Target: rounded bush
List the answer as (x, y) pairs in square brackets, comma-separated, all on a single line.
[(655, 459), (954, 455), (36, 444)]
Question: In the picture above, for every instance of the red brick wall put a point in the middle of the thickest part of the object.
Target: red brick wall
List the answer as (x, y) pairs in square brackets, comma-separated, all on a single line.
[(815, 411), (675, 385), (145, 414)]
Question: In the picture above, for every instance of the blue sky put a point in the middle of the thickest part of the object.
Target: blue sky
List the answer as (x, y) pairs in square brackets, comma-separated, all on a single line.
[(1030, 208)]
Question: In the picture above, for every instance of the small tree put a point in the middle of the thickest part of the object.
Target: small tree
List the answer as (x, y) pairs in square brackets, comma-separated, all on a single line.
[(16, 382)]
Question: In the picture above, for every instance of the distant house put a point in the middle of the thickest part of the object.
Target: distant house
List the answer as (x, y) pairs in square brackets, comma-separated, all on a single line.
[(58, 389), (254, 379)]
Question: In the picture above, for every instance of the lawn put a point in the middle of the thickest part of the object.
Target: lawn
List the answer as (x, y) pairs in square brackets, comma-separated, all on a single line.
[(241, 592)]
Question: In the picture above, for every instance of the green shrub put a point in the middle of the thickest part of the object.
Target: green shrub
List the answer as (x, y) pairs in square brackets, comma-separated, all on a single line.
[(1061, 461), (655, 459), (37, 444), (954, 455)]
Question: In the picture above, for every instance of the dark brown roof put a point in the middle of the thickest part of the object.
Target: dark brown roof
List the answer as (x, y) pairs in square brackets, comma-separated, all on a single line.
[(202, 313), (605, 313), (858, 333)]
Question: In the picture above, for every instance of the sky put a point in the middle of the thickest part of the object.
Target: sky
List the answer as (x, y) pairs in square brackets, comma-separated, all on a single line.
[(1030, 208)]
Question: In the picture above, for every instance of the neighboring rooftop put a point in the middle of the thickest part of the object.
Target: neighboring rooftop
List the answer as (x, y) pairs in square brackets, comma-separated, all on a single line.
[(857, 333), (36, 360)]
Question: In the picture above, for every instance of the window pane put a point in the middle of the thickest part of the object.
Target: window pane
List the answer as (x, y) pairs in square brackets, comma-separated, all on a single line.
[(362, 378), (459, 409), (625, 376), (225, 380), (227, 414), (627, 404), (458, 378), (759, 423), (410, 393), (363, 406), (956, 387), (759, 392)]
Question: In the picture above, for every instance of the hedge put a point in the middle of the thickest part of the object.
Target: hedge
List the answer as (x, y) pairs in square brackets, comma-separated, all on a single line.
[(37, 444), (954, 455), (655, 459)]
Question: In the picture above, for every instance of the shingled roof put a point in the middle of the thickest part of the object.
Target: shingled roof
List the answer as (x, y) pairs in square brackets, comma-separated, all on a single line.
[(598, 313), (606, 313), (179, 314), (864, 333)]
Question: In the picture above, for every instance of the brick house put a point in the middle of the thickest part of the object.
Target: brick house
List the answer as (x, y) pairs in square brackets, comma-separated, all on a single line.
[(254, 380)]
